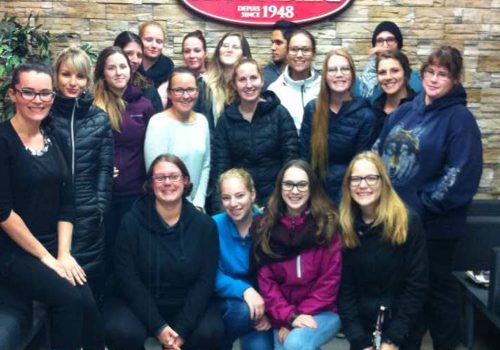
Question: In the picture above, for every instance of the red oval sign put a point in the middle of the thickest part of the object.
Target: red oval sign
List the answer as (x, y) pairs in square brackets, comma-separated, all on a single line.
[(265, 13)]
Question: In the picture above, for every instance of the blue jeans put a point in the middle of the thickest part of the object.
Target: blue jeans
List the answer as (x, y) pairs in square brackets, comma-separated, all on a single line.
[(308, 338), (237, 324)]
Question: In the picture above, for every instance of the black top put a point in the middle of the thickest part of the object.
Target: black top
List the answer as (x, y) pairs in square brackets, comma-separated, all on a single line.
[(261, 146), (160, 71), (37, 188), (167, 273), (379, 273), (83, 133)]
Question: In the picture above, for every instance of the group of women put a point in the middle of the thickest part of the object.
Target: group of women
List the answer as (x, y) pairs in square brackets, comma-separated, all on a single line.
[(280, 266)]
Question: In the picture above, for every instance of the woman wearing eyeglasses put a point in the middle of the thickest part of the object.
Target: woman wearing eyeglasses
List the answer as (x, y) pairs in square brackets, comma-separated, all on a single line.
[(230, 48), (181, 131), (393, 70), (255, 131), (166, 259), (431, 147), (384, 259), (336, 125), (36, 216), (296, 251), (86, 139), (299, 82)]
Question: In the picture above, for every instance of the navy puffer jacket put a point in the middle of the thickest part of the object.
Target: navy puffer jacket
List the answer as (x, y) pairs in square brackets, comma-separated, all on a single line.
[(261, 146), (84, 134), (350, 131)]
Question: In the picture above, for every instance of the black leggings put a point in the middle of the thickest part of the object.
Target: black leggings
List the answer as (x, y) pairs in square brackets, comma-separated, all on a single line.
[(75, 321), (124, 331)]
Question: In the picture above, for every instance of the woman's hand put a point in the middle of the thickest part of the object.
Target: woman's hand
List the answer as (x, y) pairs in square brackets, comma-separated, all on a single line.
[(282, 334), (116, 172), (74, 272), (255, 303), (53, 264), (262, 324), (169, 339), (387, 346), (303, 321)]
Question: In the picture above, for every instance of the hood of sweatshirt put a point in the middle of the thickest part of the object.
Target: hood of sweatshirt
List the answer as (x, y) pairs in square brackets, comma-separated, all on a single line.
[(132, 93), (456, 96), (306, 82)]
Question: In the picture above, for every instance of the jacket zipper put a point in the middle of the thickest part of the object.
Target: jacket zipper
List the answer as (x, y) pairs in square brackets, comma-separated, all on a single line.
[(299, 268), (73, 138)]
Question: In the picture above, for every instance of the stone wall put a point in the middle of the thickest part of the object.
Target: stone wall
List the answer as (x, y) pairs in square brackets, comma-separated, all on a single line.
[(471, 26)]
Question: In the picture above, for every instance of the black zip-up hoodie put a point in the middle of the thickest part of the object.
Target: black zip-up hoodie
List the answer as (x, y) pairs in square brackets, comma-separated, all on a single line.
[(166, 273)]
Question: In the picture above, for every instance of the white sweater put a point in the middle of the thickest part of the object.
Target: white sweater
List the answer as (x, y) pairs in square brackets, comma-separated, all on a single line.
[(295, 94), (189, 141)]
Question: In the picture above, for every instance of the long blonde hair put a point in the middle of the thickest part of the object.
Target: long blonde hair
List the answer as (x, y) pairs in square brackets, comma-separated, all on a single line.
[(321, 117), (391, 213), (104, 98), (217, 81)]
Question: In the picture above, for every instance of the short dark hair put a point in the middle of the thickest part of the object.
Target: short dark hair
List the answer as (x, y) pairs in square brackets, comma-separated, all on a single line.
[(29, 66), (448, 57), (286, 27), (398, 56), (170, 158)]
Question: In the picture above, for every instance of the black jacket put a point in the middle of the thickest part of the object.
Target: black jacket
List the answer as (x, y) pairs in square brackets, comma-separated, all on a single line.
[(379, 273), (349, 132), (261, 146), (166, 273), (379, 104), (84, 135)]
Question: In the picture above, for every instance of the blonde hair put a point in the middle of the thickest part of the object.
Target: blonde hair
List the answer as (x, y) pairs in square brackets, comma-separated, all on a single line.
[(217, 81), (391, 213), (321, 117), (144, 25), (104, 98), (77, 59), (237, 173)]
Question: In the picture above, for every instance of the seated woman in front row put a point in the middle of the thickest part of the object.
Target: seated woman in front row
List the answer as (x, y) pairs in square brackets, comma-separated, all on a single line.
[(296, 249), (385, 263), (241, 304), (165, 264)]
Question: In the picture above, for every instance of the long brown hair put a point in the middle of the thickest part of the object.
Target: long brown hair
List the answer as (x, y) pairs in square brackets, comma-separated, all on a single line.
[(391, 213), (104, 98), (321, 117), (322, 209)]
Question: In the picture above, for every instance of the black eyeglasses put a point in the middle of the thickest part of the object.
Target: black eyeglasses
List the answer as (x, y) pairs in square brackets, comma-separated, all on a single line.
[(301, 186), (30, 95), (371, 180), (164, 178), (389, 40), (179, 92)]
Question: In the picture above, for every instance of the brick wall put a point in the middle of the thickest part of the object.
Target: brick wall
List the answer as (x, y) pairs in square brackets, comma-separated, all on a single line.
[(471, 26)]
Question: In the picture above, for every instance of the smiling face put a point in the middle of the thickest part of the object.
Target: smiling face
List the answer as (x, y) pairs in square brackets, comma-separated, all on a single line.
[(32, 110), (167, 191), (365, 195), (248, 82), (391, 76), (182, 92), (134, 53), (295, 200), (230, 50), (70, 83), (339, 74), (237, 199), (117, 72), (300, 56), (436, 82), (153, 41), (194, 55)]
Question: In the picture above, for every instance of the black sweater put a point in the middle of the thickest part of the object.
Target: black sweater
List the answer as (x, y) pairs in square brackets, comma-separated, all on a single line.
[(379, 273), (37, 188), (167, 274)]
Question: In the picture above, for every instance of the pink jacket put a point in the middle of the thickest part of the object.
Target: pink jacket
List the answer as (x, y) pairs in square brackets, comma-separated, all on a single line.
[(305, 284)]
